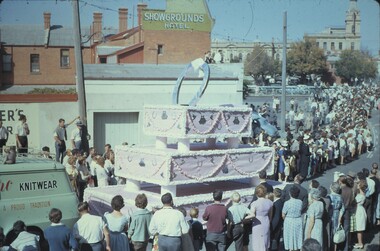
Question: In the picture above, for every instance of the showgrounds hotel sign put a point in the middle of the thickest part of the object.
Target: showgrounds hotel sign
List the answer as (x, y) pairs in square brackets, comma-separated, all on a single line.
[(161, 20)]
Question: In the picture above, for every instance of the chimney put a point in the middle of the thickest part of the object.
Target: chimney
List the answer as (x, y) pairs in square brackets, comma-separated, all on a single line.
[(140, 7), (47, 16), (123, 19), (97, 27)]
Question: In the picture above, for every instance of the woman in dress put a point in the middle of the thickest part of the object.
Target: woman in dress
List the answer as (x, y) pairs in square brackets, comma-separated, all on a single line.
[(72, 172), (101, 173), (292, 215), (261, 213), (337, 208), (117, 224), (360, 213), (314, 226)]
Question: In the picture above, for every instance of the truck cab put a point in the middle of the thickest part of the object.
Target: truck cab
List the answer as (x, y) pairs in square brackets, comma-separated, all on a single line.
[(29, 189)]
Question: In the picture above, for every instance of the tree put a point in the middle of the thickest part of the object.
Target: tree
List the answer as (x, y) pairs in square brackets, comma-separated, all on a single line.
[(258, 64), (355, 64), (305, 58)]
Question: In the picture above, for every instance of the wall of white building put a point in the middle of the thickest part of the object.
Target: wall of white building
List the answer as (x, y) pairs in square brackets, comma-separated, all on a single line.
[(42, 119), (115, 108)]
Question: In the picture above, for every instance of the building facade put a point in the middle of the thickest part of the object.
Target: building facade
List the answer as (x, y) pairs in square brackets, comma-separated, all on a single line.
[(39, 54), (237, 52), (171, 36), (334, 40)]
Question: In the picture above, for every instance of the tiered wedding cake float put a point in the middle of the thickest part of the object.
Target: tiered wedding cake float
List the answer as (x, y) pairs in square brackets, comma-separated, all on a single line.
[(206, 155)]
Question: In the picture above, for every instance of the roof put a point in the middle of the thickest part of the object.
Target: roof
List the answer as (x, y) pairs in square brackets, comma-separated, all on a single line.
[(108, 50), (139, 72), (29, 164), (25, 34)]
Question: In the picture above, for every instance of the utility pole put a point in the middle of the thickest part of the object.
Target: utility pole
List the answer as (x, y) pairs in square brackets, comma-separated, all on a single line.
[(283, 96), (79, 63)]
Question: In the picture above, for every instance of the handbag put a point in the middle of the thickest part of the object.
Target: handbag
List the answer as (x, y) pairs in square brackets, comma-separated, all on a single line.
[(339, 235)]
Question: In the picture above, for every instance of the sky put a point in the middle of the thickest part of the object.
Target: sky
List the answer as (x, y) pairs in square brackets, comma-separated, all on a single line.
[(236, 20)]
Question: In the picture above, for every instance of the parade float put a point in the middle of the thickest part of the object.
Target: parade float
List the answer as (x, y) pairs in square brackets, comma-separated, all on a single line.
[(197, 150)]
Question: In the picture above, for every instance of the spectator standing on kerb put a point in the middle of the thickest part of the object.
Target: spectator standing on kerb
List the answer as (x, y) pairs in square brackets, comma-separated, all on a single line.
[(22, 132), (60, 135), (3, 136), (76, 140)]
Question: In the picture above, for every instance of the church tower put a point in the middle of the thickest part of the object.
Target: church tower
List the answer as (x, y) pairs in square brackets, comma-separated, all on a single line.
[(353, 26), (353, 19)]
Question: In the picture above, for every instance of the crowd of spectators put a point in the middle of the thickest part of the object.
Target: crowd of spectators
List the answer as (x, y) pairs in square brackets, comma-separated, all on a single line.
[(330, 128), (292, 218)]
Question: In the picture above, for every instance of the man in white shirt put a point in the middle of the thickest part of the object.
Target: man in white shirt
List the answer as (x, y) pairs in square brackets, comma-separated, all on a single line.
[(91, 230), (76, 138), (169, 224)]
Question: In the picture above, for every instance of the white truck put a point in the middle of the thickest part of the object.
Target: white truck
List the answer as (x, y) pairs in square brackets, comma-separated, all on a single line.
[(29, 189)]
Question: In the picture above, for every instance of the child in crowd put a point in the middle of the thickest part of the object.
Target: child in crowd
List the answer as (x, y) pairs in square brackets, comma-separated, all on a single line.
[(196, 229)]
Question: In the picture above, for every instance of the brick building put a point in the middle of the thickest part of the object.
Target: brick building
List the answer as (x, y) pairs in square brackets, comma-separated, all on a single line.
[(39, 54), (170, 36)]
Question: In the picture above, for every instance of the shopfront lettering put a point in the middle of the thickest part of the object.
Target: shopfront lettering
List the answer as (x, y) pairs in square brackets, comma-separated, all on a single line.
[(4, 186), (40, 204), (174, 17), (38, 185), (180, 26), (10, 116), (17, 207)]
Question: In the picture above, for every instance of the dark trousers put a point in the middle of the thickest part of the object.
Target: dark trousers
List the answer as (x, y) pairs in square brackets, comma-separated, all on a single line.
[(139, 245), (346, 226), (237, 237), (3, 142), (60, 151), (215, 241), (168, 243), (99, 246), (24, 144), (369, 210), (81, 186)]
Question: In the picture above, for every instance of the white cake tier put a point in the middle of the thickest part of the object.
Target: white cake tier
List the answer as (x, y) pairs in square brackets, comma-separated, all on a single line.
[(194, 195), (168, 167), (197, 122)]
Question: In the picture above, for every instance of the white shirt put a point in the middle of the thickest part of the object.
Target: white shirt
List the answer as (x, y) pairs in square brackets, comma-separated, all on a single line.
[(102, 176), (371, 187), (21, 129), (75, 135), (3, 133), (26, 239), (89, 229), (168, 221)]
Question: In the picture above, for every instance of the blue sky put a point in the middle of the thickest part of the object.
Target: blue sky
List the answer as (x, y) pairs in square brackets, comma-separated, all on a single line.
[(237, 20)]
